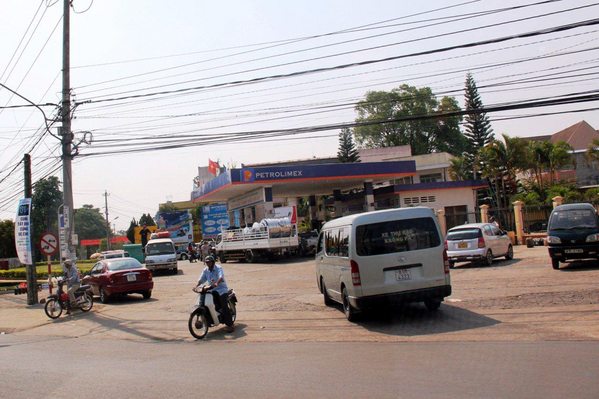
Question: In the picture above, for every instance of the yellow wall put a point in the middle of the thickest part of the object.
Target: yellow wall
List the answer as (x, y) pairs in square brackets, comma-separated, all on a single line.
[(137, 237)]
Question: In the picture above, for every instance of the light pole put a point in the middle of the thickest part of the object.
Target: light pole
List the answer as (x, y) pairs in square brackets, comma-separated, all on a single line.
[(114, 225)]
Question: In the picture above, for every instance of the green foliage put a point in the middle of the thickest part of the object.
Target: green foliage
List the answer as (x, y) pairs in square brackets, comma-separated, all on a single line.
[(478, 130), (591, 195), (168, 207), (147, 220), (47, 197), (7, 239), (592, 154), (347, 150), (460, 169), (89, 222), (423, 135), (41, 270), (569, 193), (131, 230)]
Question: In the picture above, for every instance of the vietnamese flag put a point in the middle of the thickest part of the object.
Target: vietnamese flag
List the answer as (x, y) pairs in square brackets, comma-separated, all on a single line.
[(213, 167)]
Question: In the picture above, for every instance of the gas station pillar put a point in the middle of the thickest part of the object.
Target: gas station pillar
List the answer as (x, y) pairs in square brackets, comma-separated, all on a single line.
[(338, 203), (314, 223), (369, 196), (268, 204)]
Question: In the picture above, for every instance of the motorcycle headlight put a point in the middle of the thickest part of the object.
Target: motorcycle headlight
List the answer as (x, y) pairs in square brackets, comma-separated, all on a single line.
[(593, 238), (553, 240)]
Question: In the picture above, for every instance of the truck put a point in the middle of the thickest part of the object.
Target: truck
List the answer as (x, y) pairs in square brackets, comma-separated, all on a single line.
[(269, 239)]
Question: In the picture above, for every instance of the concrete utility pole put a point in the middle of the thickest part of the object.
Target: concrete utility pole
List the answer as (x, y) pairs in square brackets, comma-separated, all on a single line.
[(30, 269), (65, 130), (107, 222)]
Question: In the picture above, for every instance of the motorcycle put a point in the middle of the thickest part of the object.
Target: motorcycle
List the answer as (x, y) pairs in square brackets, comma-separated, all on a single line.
[(57, 302), (207, 313)]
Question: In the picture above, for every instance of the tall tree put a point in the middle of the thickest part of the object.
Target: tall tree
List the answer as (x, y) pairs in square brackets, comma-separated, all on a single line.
[(7, 239), (147, 220), (478, 130), (131, 230), (424, 136), (459, 169), (347, 149), (89, 223), (47, 197), (592, 153)]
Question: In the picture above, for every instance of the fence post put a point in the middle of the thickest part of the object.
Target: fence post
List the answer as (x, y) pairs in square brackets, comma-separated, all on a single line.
[(442, 223), (557, 201), (519, 220), (484, 213)]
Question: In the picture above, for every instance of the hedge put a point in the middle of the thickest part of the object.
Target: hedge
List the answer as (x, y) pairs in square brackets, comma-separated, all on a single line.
[(20, 273)]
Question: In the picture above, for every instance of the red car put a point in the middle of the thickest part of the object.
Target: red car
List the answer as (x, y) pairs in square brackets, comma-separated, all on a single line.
[(119, 276)]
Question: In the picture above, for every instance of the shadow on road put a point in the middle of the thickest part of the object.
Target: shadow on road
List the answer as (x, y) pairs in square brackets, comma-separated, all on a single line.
[(499, 262), (579, 265), (415, 319)]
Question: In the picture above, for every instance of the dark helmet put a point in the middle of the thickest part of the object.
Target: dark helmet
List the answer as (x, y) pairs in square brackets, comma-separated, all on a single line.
[(209, 258)]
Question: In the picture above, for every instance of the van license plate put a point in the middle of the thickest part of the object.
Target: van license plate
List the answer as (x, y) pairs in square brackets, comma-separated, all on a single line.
[(131, 277), (574, 251), (403, 274)]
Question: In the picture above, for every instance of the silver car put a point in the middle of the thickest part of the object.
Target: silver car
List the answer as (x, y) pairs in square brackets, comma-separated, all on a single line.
[(477, 242)]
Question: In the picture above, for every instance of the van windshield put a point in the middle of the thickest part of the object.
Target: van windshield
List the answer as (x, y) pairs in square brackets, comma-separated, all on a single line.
[(573, 219), (396, 236), (163, 248)]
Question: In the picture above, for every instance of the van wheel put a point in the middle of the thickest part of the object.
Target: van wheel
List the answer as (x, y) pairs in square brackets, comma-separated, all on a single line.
[(510, 253), (350, 312), (555, 263), (489, 258), (327, 299), (432, 304)]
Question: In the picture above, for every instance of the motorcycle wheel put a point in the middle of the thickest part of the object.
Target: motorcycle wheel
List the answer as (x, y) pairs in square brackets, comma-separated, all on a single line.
[(198, 325), (53, 309), (88, 304), (233, 310)]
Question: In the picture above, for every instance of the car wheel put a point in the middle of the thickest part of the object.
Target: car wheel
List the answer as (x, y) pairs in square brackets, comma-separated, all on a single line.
[(222, 258), (175, 271), (327, 299), (184, 257), (510, 253), (432, 304), (104, 297), (147, 294), (451, 264), (489, 258), (555, 263), (349, 311)]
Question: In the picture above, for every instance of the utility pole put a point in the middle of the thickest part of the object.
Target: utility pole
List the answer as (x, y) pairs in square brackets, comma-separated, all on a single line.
[(65, 130), (107, 223), (30, 269)]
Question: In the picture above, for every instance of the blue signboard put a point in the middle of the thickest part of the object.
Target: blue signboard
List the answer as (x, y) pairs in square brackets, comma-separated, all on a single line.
[(214, 220)]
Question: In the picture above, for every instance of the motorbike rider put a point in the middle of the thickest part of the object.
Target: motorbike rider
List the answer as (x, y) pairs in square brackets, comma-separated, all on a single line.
[(192, 253), (215, 276), (73, 283)]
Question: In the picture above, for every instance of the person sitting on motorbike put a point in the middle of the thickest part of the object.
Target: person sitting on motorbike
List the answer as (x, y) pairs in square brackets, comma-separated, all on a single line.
[(192, 253), (214, 275), (73, 283)]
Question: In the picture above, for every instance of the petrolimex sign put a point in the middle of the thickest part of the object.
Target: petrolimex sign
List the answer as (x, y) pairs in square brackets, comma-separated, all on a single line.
[(249, 175)]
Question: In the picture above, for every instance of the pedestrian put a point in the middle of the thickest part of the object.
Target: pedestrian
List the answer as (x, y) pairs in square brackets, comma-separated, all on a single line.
[(205, 250), (493, 221), (144, 233)]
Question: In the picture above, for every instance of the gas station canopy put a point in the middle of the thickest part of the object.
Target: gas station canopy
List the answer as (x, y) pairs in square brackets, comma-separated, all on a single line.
[(300, 180)]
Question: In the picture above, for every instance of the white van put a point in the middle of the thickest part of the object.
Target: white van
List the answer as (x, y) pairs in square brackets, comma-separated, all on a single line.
[(113, 254), (394, 255), (161, 255)]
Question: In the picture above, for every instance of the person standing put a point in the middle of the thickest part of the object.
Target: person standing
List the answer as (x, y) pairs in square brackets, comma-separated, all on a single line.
[(144, 233), (214, 275), (205, 250)]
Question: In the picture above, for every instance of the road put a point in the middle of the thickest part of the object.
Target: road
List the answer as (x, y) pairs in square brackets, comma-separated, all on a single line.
[(517, 328)]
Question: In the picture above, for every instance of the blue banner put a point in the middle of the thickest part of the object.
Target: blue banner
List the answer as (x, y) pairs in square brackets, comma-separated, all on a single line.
[(214, 220)]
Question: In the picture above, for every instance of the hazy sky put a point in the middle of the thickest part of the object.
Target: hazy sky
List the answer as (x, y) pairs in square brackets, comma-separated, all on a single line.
[(211, 80)]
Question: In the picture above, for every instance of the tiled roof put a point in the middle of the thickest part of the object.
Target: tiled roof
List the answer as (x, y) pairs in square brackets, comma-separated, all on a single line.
[(578, 136)]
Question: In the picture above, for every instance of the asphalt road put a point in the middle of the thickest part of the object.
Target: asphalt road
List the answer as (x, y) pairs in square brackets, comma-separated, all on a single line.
[(54, 367)]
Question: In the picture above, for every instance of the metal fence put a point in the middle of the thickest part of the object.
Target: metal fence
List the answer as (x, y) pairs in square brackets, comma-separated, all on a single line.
[(457, 219), (535, 218)]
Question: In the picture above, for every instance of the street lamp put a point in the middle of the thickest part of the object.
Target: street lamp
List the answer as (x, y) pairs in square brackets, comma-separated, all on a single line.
[(114, 225)]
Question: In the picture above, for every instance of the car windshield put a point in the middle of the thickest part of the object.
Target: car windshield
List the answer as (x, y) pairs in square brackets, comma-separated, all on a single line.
[(396, 236), (123, 264), (573, 219), (163, 248), (463, 234)]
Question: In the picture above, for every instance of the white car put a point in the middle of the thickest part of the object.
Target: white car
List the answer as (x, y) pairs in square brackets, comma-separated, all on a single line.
[(477, 242)]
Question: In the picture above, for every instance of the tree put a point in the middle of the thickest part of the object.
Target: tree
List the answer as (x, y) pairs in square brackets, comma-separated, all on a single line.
[(347, 150), (89, 223), (147, 220), (168, 207), (592, 154), (131, 230), (459, 169), (560, 156), (47, 197), (7, 239), (424, 136), (478, 130)]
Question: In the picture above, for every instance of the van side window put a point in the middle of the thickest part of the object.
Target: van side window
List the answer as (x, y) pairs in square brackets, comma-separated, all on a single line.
[(344, 242), (396, 236), (320, 245), (331, 241)]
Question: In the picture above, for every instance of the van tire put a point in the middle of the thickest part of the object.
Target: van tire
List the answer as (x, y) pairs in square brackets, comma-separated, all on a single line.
[(510, 253), (555, 263), (488, 258), (327, 299), (432, 304), (349, 311)]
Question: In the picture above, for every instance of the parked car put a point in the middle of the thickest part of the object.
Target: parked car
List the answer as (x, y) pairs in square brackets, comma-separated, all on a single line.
[(182, 253), (119, 276), (573, 233), (477, 242), (308, 242)]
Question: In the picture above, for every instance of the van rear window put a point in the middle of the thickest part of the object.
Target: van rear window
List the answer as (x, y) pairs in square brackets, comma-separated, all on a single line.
[(396, 236)]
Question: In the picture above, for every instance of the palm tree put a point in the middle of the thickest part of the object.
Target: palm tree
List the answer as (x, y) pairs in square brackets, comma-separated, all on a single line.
[(559, 157), (459, 168), (592, 154)]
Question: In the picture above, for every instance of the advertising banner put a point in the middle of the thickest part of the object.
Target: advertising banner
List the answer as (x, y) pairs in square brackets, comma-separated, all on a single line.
[(178, 223), (214, 220), (23, 232), (286, 212)]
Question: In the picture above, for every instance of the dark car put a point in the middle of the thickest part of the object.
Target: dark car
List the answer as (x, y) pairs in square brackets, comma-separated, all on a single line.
[(573, 233), (119, 276)]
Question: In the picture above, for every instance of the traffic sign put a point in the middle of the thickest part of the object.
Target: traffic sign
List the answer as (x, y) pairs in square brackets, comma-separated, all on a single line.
[(48, 244)]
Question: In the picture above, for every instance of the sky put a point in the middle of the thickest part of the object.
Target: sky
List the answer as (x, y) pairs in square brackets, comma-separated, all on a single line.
[(160, 88)]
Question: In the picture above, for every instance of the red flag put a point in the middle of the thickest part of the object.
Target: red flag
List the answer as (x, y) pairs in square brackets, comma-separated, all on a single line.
[(212, 167)]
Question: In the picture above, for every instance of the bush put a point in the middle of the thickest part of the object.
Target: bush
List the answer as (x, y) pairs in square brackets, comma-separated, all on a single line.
[(20, 273)]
